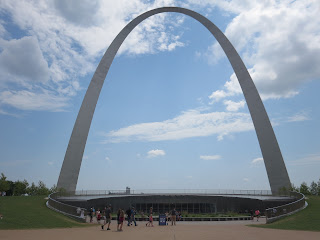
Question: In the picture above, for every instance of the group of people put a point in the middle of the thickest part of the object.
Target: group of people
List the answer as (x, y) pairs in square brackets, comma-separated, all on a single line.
[(104, 217), (173, 216)]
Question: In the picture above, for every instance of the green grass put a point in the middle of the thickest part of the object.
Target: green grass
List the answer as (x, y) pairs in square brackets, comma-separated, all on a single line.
[(307, 219), (31, 212)]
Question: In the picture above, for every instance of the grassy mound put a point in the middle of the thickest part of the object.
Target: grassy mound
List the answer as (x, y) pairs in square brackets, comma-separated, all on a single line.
[(307, 219), (31, 212)]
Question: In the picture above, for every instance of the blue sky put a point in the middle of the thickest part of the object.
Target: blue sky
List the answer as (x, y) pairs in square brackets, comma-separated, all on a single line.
[(171, 114)]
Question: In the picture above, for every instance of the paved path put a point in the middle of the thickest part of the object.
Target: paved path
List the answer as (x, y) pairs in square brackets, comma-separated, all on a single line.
[(236, 230)]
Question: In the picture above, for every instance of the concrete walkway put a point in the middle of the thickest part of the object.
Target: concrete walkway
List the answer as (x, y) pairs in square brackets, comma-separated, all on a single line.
[(235, 230)]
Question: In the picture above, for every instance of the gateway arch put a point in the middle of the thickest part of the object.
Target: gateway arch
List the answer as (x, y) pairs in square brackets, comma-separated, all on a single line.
[(276, 169)]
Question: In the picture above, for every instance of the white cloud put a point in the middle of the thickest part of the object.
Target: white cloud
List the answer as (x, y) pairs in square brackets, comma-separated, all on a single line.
[(231, 88), (299, 117), (246, 179), (78, 12), (210, 157), (26, 100), (278, 41), (64, 39), (218, 95), (257, 161), (189, 124), (22, 59), (234, 106), (108, 159), (2, 29), (155, 153), (50, 163)]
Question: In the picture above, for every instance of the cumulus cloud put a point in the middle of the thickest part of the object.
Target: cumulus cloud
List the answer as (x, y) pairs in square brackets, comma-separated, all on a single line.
[(22, 59), (155, 153), (78, 12), (26, 100), (192, 123), (234, 106), (210, 157), (265, 33), (63, 39), (231, 88)]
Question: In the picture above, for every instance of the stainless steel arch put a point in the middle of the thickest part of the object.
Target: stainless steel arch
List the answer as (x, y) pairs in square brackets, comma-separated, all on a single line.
[(276, 169)]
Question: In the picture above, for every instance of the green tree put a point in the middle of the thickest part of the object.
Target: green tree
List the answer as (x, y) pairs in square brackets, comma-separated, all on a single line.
[(294, 188), (53, 189), (4, 184), (32, 190), (42, 189), (304, 189), (314, 188), (20, 187), (318, 187)]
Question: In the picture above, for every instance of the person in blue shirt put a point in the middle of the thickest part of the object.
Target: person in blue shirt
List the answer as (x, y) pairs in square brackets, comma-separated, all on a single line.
[(133, 219)]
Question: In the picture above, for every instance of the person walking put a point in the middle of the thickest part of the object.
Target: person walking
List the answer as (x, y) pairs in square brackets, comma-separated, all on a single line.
[(251, 214), (150, 223), (173, 217), (98, 215), (118, 219), (133, 219), (128, 212), (121, 218), (91, 214), (107, 217), (257, 212)]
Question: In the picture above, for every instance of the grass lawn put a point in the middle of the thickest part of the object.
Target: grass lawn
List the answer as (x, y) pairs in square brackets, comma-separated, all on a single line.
[(31, 212), (307, 219)]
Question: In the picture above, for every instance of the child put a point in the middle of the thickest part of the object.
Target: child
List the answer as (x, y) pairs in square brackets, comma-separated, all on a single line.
[(98, 215), (150, 223), (121, 219)]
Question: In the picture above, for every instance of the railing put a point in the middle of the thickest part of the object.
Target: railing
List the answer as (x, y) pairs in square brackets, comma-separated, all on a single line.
[(69, 210), (168, 191), (273, 214)]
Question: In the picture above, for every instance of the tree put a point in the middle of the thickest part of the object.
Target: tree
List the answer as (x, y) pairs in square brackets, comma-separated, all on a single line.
[(304, 189), (42, 189), (20, 187), (294, 188), (4, 184), (314, 188), (33, 189), (53, 189)]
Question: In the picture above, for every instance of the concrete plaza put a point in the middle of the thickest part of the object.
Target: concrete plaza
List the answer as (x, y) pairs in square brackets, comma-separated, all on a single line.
[(182, 231)]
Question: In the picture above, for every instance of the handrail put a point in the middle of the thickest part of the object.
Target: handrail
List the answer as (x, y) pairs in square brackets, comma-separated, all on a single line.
[(275, 213), (66, 209), (167, 191)]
